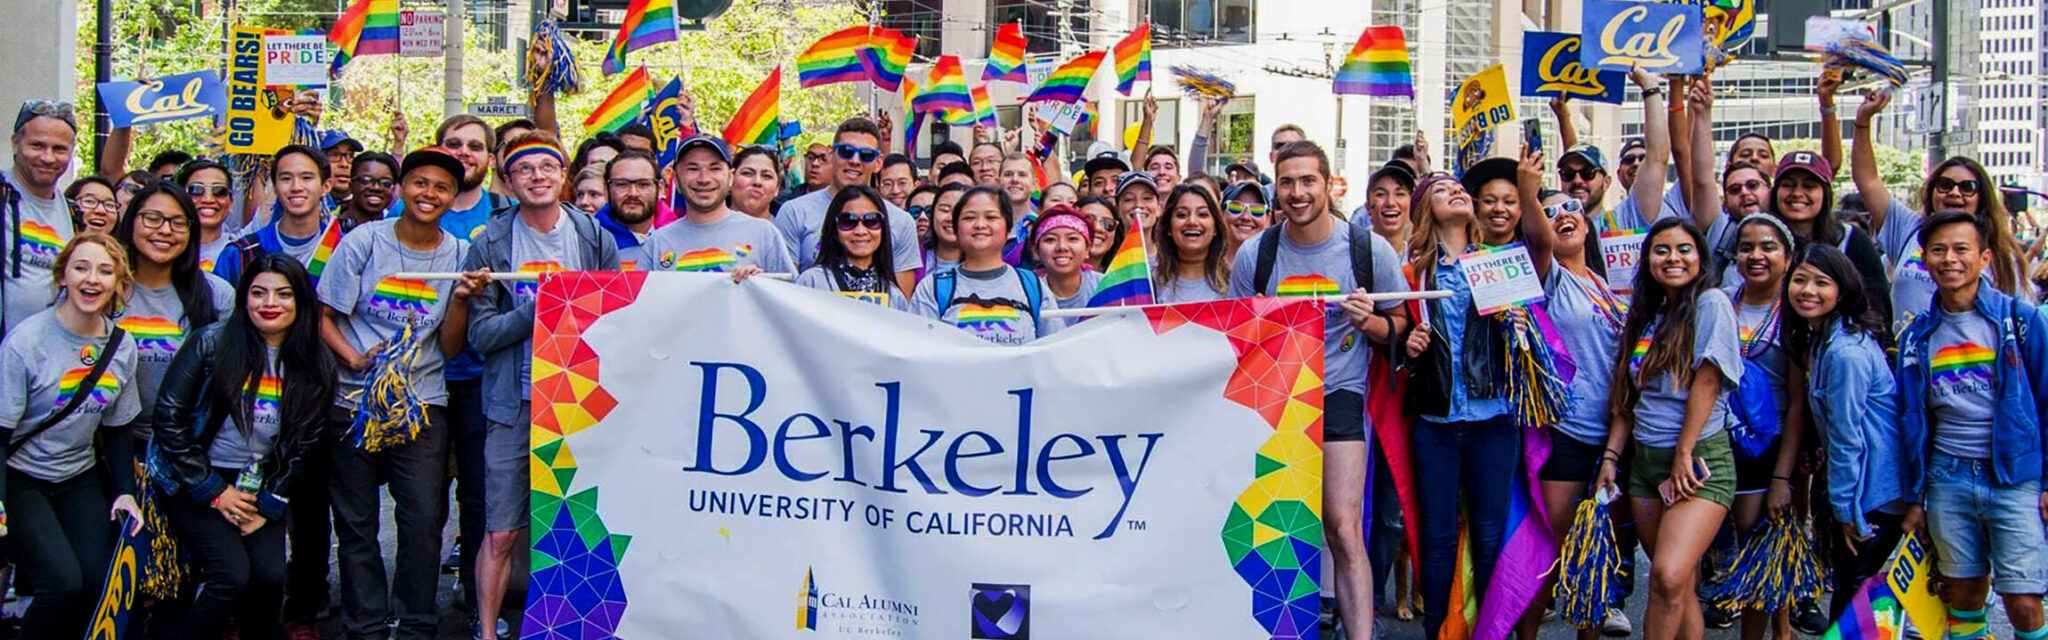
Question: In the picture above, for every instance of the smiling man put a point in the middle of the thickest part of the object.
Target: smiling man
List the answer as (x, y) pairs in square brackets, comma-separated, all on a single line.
[(856, 155), (630, 190), (711, 238), (373, 176), (298, 228), (39, 225)]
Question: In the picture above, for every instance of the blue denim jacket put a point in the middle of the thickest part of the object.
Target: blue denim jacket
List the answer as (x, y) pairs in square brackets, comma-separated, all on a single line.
[(1453, 310), (1857, 407), (2017, 439)]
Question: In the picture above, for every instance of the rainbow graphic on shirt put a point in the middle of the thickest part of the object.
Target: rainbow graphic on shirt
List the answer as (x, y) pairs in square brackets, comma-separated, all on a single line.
[(629, 265), (267, 392), (153, 334), (978, 317), (1307, 285), (1912, 263), (703, 260), (404, 296), (531, 289), (102, 392), (1635, 356), (38, 240), (329, 239), (206, 266), (1960, 364)]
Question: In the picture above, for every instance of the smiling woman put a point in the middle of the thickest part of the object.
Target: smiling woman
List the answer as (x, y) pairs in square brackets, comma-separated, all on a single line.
[(172, 297), (856, 260)]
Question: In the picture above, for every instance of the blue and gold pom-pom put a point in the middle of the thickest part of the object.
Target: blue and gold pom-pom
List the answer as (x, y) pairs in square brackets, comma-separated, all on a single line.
[(1204, 84), (1588, 568), (1775, 567), (1535, 391), (161, 576), (389, 411), (550, 65), (1868, 56)]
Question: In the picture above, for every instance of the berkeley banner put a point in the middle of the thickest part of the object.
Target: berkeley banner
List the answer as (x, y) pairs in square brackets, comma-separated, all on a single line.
[(767, 461)]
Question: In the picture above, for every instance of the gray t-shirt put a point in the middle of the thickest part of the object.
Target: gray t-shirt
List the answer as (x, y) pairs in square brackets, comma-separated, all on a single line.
[(537, 252), (1588, 317), (934, 264), (1185, 290), (802, 223), (308, 250), (1090, 281), (635, 258), (1660, 408), (1324, 269), (43, 366), (989, 304), (230, 448), (1630, 216), (822, 280), (44, 230), (734, 241), (1960, 398), (1913, 287), (156, 319), (376, 307), (210, 252)]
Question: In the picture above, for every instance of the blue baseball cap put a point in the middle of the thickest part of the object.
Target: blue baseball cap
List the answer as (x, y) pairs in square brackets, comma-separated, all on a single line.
[(332, 138), (713, 143), (1585, 151)]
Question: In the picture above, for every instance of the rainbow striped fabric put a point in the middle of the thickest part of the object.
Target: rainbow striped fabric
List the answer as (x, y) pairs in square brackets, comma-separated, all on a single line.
[(40, 240), (713, 259), (1305, 286), (154, 334), (367, 28), (1378, 65), (945, 89), (834, 58), (754, 122), (886, 55), (1067, 83), (103, 391), (984, 109), (1006, 55), (1134, 58), (268, 390), (647, 23), (1128, 281), (329, 239), (1962, 363), (979, 316), (404, 296), (623, 105)]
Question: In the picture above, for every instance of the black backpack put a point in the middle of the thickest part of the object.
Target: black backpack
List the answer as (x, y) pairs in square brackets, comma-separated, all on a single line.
[(1269, 252)]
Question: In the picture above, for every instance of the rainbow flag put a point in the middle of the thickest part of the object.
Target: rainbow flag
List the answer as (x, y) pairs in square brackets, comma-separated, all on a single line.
[(329, 239), (367, 28), (623, 105), (1006, 55), (754, 122), (834, 58), (1378, 65), (647, 22), (886, 54), (944, 89), (1128, 281), (984, 112), (1134, 58), (1067, 83)]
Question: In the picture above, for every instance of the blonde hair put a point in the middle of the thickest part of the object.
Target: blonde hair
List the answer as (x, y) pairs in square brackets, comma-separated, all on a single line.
[(124, 278)]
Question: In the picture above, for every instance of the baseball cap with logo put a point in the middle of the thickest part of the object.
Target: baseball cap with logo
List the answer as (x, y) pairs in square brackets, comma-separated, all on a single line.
[(1585, 151), (1807, 161)]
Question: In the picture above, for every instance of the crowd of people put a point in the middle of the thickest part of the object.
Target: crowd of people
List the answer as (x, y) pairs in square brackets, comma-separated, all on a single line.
[(178, 337)]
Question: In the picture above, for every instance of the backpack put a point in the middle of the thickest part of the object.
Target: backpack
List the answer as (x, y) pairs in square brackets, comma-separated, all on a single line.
[(1269, 252), (943, 281)]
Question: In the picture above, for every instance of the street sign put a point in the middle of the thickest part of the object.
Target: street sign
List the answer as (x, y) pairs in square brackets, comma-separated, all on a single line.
[(1923, 106), (499, 108), (420, 33)]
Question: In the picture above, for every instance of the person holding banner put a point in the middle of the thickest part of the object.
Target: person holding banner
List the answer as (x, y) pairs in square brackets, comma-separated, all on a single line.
[(854, 261), (984, 295), (856, 152), (1974, 381), (709, 237), (540, 235), (38, 223), (1061, 239), (631, 188), (212, 193), (755, 180), (298, 227), (1680, 359), (1311, 253), (238, 411), (1190, 264)]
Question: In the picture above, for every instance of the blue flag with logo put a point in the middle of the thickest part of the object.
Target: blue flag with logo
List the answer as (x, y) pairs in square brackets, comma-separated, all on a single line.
[(186, 95), (1659, 37), (1550, 67), (667, 121)]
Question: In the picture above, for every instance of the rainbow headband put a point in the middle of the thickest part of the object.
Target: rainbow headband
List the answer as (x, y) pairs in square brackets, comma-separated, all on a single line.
[(513, 154)]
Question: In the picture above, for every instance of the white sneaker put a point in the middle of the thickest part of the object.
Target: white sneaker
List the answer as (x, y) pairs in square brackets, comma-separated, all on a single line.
[(1617, 624)]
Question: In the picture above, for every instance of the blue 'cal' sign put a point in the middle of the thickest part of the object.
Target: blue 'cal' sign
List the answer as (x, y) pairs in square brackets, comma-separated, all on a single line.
[(1654, 36), (186, 95), (1551, 67)]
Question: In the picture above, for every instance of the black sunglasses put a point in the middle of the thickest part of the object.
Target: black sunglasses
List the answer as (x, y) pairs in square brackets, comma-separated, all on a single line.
[(1965, 187), (849, 152), (916, 211), (203, 190), (873, 221), (1584, 174)]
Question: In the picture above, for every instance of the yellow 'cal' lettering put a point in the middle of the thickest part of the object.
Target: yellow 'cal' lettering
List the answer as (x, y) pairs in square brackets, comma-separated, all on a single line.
[(168, 106), (1645, 49), (1570, 78)]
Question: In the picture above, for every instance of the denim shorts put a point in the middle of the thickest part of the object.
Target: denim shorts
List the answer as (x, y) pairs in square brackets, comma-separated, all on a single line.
[(1981, 529)]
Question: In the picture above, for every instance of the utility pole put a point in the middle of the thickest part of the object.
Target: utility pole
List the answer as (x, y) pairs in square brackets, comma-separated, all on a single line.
[(1937, 143), (102, 70), (451, 58)]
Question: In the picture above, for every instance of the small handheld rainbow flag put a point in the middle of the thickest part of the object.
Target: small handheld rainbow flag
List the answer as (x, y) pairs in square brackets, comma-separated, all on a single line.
[(1006, 55), (367, 28), (944, 89), (1134, 58), (834, 58), (1129, 278), (754, 122), (886, 54), (1067, 83), (1378, 65), (984, 110), (623, 105), (647, 22)]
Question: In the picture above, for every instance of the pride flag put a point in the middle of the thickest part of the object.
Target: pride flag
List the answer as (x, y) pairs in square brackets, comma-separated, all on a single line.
[(647, 23), (1067, 83), (754, 122), (623, 105), (944, 89), (1378, 65), (834, 58), (368, 27), (984, 109), (1128, 281), (1006, 55), (1134, 58), (886, 54)]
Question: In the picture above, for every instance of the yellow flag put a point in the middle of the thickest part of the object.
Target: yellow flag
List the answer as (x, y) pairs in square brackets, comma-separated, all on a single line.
[(1482, 102)]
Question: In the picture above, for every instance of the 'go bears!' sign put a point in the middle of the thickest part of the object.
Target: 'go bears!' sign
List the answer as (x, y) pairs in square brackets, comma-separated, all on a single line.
[(1653, 36)]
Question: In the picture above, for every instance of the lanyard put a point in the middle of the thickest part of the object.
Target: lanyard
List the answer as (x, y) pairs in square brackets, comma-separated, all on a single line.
[(1611, 309), (1765, 333)]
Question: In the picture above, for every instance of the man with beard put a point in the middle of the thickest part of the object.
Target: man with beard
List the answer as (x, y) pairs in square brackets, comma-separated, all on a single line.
[(856, 153), (37, 221), (711, 237), (630, 190)]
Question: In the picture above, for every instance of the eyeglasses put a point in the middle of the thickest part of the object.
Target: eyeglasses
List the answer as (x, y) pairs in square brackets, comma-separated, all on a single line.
[(41, 108), (90, 202), (373, 181), (525, 170), (873, 221), (917, 212), (1245, 209), (1965, 187), (152, 220), (201, 190), (1569, 206), (850, 152), (1587, 173), (633, 185)]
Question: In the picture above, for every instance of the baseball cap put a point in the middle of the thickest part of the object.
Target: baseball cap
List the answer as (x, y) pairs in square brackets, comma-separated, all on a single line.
[(1395, 169), (332, 138), (431, 157), (1585, 151), (1231, 192), (1105, 161), (1631, 143), (1136, 178), (710, 142), (1807, 161)]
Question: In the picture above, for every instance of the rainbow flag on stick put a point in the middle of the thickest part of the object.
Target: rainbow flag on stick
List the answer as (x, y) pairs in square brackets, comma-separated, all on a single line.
[(888, 51), (1128, 281), (984, 109), (1067, 83), (623, 105), (367, 28), (1134, 58), (647, 23), (754, 123), (1378, 65), (834, 58), (944, 89), (1006, 55)]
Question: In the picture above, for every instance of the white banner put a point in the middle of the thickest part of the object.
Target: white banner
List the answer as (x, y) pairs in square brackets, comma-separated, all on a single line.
[(787, 463), (291, 60), (420, 33)]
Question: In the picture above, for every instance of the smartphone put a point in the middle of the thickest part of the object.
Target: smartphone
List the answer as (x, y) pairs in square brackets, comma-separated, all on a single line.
[(1532, 133), (1699, 470)]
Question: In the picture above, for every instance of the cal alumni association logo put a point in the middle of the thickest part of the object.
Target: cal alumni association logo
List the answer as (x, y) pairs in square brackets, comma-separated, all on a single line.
[(850, 614)]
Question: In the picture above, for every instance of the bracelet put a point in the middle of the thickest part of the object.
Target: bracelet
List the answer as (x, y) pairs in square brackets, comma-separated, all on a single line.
[(1785, 478), (1653, 91)]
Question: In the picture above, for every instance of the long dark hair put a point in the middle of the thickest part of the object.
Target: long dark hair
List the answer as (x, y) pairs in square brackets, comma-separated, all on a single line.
[(832, 253), (1852, 303), (2006, 256), (1671, 347), (306, 368), (193, 289), (1116, 230), (1826, 229), (1215, 269)]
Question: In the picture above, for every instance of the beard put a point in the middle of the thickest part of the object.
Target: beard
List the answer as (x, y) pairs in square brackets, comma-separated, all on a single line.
[(475, 178)]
